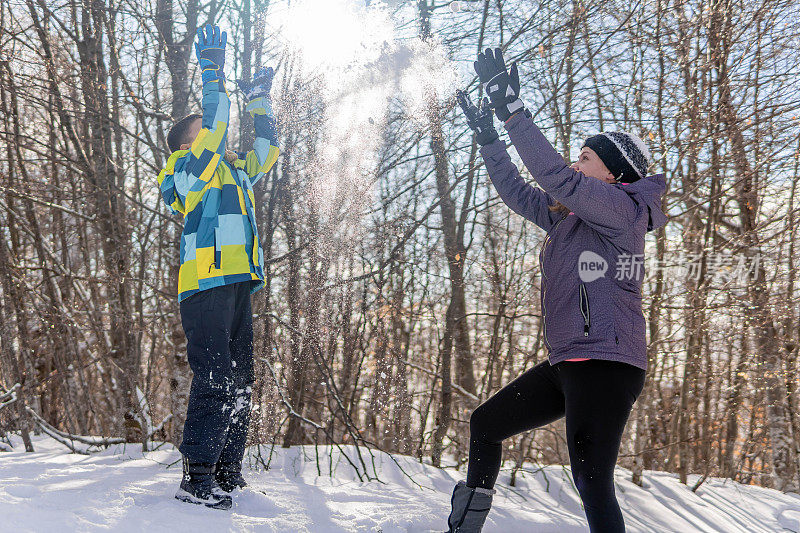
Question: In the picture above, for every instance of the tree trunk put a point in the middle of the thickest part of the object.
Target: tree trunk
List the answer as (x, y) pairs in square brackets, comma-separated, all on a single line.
[(177, 53)]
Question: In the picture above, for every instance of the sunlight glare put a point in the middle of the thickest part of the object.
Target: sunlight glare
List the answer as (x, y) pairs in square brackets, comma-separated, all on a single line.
[(335, 33), (361, 65)]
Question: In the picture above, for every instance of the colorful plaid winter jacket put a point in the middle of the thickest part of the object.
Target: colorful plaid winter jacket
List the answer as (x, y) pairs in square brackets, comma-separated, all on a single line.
[(219, 244)]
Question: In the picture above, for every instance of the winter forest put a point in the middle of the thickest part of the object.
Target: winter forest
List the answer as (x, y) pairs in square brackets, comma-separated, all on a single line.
[(401, 292)]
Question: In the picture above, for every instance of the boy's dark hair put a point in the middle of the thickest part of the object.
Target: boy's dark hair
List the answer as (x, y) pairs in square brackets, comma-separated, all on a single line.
[(177, 133)]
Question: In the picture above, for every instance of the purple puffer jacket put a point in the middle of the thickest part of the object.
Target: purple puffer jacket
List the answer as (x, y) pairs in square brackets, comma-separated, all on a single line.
[(592, 259)]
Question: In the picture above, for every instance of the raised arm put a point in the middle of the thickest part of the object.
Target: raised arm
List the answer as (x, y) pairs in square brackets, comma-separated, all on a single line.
[(265, 151), (524, 199), (605, 206), (208, 147), (187, 172)]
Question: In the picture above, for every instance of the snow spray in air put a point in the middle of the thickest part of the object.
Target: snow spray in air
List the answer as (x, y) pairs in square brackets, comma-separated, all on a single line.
[(360, 67)]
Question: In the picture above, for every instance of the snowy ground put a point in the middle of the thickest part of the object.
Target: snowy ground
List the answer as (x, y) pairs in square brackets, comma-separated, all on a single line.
[(122, 489)]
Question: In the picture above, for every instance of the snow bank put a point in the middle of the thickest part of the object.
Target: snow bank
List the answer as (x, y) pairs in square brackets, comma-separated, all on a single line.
[(123, 489)]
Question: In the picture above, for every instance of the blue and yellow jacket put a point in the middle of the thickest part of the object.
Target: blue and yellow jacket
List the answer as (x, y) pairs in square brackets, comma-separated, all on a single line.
[(219, 244)]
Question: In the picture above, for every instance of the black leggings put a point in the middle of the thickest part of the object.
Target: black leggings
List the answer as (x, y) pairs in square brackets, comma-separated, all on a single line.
[(596, 397)]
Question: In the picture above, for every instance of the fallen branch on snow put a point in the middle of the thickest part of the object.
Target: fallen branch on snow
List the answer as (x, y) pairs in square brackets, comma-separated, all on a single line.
[(68, 439)]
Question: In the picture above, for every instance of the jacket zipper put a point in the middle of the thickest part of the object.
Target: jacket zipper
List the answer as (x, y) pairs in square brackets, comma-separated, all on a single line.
[(547, 240), (217, 250), (585, 309)]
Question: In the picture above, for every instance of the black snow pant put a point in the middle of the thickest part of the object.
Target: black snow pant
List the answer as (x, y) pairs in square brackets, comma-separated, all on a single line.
[(218, 323), (595, 396)]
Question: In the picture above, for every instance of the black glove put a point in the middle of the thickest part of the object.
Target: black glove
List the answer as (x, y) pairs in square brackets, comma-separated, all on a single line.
[(501, 86), (479, 119)]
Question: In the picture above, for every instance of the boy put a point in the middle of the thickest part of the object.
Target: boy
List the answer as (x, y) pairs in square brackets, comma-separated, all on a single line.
[(221, 266)]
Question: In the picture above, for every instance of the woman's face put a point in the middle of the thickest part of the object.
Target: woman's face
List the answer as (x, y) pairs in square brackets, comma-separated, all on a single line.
[(591, 165)]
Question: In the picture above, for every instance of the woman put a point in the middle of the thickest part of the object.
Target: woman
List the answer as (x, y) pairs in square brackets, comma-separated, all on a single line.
[(596, 213)]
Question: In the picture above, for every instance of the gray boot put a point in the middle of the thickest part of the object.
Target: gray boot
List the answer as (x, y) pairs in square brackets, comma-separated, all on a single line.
[(469, 508)]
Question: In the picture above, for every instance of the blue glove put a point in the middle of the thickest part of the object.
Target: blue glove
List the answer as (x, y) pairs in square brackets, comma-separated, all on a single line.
[(260, 86), (210, 51), (501, 85), (480, 120), (259, 104)]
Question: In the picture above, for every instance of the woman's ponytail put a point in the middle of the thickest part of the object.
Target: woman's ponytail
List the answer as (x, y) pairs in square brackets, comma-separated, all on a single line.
[(559, 208)]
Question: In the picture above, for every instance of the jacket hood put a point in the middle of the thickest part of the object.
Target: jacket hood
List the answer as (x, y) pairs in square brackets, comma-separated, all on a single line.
[(169, 166), (173, 163), (647, 193)]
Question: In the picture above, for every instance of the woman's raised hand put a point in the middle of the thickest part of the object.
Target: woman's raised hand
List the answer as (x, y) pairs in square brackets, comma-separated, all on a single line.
[(501, 85), (480, 120)]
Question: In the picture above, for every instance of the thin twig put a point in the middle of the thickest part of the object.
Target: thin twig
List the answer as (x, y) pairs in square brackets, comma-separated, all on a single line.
[(300, 417), (456, 387)]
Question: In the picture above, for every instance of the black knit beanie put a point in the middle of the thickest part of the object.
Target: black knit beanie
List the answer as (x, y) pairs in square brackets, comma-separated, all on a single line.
[(624, 154)]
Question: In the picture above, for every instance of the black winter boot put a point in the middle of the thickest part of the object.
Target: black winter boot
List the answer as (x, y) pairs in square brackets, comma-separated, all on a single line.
[(469, 508), (199, 486), (229, 476)]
